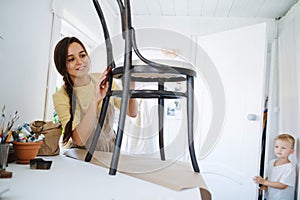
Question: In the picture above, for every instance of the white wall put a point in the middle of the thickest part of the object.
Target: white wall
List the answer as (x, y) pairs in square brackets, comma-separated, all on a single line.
[(83, 16), (289, 78), (25, 28)]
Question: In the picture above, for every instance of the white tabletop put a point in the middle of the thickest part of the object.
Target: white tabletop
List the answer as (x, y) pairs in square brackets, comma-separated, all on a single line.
[(73, 179)]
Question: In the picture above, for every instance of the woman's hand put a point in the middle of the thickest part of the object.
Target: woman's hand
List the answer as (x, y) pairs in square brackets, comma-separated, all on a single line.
[(102, 86), (132, 85)]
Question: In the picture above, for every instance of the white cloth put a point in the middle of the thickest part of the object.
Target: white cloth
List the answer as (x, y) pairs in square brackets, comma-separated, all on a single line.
[(285, 174)]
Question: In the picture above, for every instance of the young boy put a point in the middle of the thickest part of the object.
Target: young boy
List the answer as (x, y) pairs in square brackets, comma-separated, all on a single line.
[(280, 181)]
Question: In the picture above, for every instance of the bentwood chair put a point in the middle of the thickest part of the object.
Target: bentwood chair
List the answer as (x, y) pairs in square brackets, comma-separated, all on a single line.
[(148, 72)]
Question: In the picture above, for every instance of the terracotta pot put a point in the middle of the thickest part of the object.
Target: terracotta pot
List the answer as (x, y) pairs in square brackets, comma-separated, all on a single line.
[(25, 151)]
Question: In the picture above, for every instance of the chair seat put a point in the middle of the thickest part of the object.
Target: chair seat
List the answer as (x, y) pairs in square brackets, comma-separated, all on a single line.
[(172, 71), (150, 94)]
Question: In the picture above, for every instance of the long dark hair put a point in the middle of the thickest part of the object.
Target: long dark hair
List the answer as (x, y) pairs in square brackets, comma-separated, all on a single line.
[(60, 60)]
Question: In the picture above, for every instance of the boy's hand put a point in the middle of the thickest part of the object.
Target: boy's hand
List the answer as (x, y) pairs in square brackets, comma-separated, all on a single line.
[(262, 188), (259, 180)]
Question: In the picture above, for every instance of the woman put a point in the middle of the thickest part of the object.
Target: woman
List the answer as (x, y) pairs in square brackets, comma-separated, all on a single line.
[(79, 100)]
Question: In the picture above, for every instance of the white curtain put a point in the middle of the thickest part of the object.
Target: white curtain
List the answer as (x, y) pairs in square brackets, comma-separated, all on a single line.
[(289, 76)]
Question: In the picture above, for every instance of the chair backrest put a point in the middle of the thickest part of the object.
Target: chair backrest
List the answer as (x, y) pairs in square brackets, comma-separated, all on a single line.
[(128, 34), (109, 49)]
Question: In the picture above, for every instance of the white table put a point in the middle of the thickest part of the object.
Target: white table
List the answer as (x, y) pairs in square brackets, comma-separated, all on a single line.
[(73, 179)]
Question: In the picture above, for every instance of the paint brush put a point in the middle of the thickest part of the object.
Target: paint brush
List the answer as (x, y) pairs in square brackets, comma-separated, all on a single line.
[(7, 138), (2, 120)]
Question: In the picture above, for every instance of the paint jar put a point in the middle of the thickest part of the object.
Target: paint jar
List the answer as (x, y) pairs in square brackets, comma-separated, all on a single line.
[(4, 148)]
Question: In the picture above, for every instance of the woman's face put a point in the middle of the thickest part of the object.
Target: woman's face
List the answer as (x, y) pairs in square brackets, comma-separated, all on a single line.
[(78, 62)]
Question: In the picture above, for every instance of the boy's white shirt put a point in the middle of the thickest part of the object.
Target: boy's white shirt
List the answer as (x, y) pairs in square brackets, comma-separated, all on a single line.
[(285, 174)]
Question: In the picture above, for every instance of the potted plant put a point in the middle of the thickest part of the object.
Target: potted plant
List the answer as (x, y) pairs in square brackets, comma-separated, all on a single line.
[(26, 144)]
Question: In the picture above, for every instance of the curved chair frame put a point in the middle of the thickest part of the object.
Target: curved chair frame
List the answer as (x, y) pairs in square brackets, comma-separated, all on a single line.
[(127, 73)]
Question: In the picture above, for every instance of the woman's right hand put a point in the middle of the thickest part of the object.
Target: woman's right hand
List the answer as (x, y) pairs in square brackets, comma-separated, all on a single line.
[(102, 86)]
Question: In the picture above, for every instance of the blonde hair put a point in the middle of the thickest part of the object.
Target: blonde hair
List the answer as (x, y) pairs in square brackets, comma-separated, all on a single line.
[(287, 138)]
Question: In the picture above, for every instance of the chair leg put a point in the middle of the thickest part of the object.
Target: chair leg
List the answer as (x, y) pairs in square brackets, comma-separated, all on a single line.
[(121, 125), (161, 122), (190, 121), (124, 104), (102, 116), (120, 131)]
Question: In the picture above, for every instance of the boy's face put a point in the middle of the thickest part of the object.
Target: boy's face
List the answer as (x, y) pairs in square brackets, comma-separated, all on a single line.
[(282, 149)]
